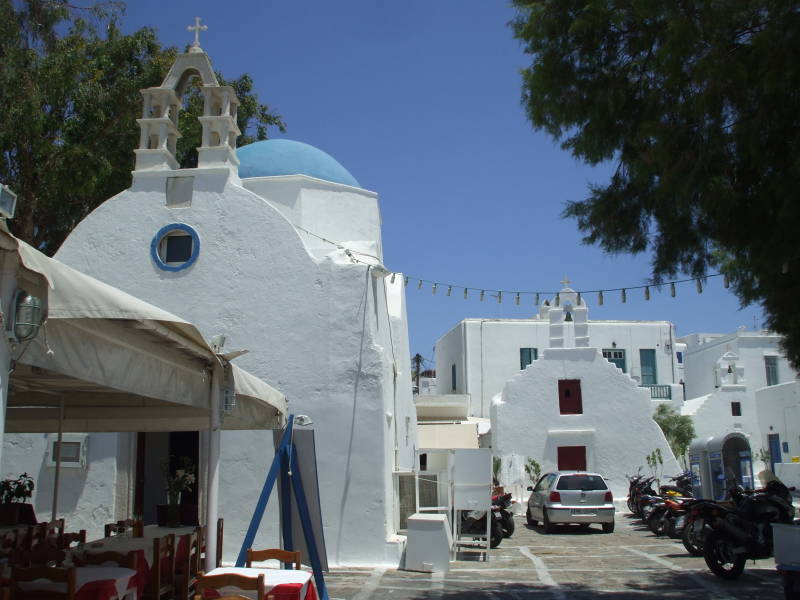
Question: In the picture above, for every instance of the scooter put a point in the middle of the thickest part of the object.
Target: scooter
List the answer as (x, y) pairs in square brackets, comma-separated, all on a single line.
[(503, 504), (474, 522)]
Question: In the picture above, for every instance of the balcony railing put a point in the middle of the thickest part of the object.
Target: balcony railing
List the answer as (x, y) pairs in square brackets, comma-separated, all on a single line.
[(659, 392)]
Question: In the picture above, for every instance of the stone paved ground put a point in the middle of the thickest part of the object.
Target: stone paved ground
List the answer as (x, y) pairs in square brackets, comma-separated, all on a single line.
[(571, 563)]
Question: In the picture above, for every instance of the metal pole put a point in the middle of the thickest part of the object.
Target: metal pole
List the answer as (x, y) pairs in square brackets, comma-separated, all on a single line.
[(212, 489), (58, 457)]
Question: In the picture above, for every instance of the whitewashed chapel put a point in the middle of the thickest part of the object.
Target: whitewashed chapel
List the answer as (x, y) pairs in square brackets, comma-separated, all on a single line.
[(241, 246)]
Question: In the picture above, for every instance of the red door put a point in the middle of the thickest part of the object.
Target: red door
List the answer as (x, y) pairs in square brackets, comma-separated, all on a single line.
[(572, 458)]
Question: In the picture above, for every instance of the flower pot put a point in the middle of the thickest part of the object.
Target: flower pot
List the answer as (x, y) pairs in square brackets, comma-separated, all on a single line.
[(168, 515), (17, 513)]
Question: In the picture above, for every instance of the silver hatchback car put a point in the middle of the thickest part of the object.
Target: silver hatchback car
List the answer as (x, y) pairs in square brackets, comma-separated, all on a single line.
[(570, 497)]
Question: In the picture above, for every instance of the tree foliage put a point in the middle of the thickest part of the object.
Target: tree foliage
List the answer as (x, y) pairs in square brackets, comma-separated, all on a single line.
[(678, 429), (696, 104), (69, 99)]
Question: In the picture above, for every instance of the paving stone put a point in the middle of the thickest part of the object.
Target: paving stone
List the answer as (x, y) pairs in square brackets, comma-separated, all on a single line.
[(570, 564)]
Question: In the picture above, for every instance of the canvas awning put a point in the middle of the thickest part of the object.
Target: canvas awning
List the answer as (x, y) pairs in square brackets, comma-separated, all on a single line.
[(118, 363)]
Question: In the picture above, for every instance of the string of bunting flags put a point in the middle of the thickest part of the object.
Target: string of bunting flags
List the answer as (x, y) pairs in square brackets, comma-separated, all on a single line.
[(537, 296)]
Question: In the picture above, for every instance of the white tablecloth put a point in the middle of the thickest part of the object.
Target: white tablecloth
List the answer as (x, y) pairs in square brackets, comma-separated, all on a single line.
[(272, 577), (84, 575)]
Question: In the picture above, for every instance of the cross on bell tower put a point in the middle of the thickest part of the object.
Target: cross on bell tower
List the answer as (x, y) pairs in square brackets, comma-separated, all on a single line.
[(197, 28)]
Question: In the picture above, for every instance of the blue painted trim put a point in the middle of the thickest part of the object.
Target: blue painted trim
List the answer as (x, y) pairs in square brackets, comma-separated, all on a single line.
[(160, 235), (261, 505)]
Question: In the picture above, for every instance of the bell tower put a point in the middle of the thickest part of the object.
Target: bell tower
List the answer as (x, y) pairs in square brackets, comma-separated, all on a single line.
[(161, 106)]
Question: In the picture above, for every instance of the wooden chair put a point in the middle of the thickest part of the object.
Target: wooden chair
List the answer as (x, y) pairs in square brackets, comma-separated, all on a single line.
[(187, 568), (124, 560), (21, 575), (218, 582), (162, 570), (68, 539), (120, 526), (285, 556)]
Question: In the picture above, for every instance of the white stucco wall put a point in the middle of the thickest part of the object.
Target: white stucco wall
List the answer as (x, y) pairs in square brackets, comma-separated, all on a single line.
[(778, 408), (88, 494), (486, 352), (319, 330), (616, 425), (704, 350)]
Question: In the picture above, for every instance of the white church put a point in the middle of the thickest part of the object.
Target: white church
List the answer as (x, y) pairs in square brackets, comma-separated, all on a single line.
[(275, 248)]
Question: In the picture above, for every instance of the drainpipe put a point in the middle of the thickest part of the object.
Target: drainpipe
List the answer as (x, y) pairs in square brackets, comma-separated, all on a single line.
[(57, 457), (212, 482)]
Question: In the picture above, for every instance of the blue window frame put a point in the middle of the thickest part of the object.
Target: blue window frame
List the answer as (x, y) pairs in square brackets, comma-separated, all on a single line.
[(527, 356), (647, 363), (616, 358), (771, 366)]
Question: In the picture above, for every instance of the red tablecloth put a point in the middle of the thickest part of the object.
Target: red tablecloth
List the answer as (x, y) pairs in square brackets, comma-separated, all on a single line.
[(276, 584), (91, 583)]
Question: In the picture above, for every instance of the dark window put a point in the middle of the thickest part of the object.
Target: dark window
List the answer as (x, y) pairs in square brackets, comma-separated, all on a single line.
[(736, 409), (527, 356), (771, 364), (581, 482), (453, 377), (679, 356), (572, 458), (178, 248), (615, 357), (569, 397), (423, 461)]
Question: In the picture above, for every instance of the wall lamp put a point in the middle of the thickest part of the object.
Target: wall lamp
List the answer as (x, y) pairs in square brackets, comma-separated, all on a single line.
[(26, 318)]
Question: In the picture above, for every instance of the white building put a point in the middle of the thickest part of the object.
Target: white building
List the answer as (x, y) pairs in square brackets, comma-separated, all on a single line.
[(743, 399), (478, 356), (572, 409), (239, 246)]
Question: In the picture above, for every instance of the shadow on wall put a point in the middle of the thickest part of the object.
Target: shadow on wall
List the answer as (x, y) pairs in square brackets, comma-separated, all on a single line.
[(357, 381), (72, 480)]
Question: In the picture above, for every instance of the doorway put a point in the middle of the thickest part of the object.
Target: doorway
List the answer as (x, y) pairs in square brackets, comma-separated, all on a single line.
[(155, 454)]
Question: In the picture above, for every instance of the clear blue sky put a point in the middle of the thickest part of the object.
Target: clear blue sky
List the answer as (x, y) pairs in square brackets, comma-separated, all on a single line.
[(420, 101)]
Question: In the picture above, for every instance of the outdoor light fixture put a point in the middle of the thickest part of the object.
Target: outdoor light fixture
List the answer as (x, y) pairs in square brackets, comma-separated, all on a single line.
[(303, 420), (393, 276), (499, 297), (517, 299), (647, 293), (536, 299), (449, 289), (466, 293), (482, 293), (27, 317), (624, 296), (435, 286), (600, 299), (558, 298)]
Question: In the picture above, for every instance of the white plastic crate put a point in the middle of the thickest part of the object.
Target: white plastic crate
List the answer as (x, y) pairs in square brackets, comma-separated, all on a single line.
[(786, 540)]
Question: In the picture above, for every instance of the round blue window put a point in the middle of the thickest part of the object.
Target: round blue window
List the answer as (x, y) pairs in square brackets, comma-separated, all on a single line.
[(175, 247)]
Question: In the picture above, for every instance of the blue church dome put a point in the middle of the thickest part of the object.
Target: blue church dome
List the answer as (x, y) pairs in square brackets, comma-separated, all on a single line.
[(288, 157)]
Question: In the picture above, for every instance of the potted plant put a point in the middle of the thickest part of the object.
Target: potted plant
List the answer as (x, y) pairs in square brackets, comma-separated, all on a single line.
[(180, 480), (14, 494)]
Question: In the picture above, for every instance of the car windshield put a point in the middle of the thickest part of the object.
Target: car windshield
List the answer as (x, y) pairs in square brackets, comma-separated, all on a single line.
[(581, 482)]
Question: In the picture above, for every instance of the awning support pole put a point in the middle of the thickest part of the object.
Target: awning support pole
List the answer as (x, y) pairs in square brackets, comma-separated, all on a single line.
[(212, 481), (57, 457)]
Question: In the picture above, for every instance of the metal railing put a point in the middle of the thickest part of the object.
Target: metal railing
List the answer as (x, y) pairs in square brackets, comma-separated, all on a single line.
[(659, 392)]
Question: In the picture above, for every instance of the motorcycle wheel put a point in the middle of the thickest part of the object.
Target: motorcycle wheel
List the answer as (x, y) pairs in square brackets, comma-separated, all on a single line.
[(508, 525), (718, 557), (631, 505), (496, 534), (546, 524), (692, 542), (531, 521), (655, 521)]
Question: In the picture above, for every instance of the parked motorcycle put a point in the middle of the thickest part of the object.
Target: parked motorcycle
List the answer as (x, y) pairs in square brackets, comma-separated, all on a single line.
[(745, 531), (502, 502), (474, 522)]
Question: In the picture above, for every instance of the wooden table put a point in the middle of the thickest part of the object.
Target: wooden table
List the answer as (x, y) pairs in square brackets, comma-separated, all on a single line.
[(281, 584), (92, 583)]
